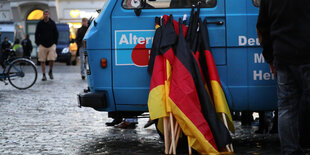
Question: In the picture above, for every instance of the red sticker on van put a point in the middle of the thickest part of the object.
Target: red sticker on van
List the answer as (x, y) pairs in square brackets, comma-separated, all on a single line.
[(140, 55)]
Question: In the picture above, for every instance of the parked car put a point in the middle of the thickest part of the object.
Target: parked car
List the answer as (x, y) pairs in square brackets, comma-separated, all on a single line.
[(64, 52)]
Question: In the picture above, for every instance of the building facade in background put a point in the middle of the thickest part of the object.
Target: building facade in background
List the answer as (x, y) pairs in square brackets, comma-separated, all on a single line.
[(27, 13)]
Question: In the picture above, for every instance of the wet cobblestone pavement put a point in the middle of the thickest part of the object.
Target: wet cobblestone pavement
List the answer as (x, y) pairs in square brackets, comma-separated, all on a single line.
[(46, 119)]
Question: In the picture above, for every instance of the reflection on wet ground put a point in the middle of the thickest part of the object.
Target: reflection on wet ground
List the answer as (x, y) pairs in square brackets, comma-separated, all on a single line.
[(125, 141), (46, 120), (128, 141), (142, 141), (247, 142)]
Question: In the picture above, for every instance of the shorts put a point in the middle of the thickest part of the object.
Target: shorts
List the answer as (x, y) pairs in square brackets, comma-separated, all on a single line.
[(47, 53)]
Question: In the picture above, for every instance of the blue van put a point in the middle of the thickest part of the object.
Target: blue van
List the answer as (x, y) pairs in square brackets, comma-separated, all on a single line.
[(63, 50), (117, 83)]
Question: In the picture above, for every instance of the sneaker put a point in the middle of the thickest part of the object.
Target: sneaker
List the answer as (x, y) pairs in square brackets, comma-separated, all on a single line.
[(50, 74), (126, 125), (83, 77), (44, 78)]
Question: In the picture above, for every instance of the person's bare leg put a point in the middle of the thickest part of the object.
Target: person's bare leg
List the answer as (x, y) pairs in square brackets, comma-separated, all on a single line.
[(51, 63), (43, 71), (43, 67), (50, 73)]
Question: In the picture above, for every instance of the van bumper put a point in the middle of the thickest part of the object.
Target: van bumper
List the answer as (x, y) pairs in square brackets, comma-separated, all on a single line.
[(96, 100)]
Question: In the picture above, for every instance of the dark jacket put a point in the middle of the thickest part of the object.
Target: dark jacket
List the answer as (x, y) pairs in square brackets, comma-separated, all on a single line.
[(5, 45), (46, 33), (285, 29), (80, 35), (27, 46)]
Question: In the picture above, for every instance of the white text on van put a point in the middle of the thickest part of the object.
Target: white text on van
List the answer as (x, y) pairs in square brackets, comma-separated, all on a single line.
[(243, 41)]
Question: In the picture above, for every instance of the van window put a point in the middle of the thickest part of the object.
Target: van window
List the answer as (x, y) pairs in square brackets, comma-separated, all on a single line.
[(256, 3), (64, 37), (150, 4)]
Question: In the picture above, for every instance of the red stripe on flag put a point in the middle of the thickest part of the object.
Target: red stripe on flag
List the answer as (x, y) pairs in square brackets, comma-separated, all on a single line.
[(213, 73), (183, 93), (176, 25), (160, 71)]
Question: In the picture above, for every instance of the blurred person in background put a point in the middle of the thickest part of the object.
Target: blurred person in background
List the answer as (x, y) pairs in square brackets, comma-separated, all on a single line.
[(46, 38), (79, 40), (27, 47), (0, 49), (5, 45), (18, 48)]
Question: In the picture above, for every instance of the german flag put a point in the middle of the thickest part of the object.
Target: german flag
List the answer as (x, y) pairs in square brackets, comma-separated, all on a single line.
[(178, 87), (155, 45), (215, 86), (162, 55), (188, 93), (157, 102), (184, 97)]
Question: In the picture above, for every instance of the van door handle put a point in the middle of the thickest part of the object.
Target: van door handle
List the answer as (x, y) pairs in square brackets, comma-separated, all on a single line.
[(216, 22)]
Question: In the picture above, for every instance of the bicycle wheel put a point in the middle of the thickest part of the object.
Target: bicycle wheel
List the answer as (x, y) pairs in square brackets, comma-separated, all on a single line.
[(22, 74)]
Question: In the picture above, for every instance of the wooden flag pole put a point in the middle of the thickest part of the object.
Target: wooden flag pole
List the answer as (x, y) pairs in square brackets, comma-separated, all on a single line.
[(232, 148), (178, 136), (189, 146), (165, 119), (172, 134), (229, 147), (177, 133)]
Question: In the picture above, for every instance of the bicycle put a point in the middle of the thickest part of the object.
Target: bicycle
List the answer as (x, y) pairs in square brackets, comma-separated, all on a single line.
[(20, 72)]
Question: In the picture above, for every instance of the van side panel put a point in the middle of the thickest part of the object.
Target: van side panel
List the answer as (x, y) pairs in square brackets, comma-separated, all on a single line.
[(250, 82), (98, 46), (101, 30), (131, 82), (101, 78), (246, 78)]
